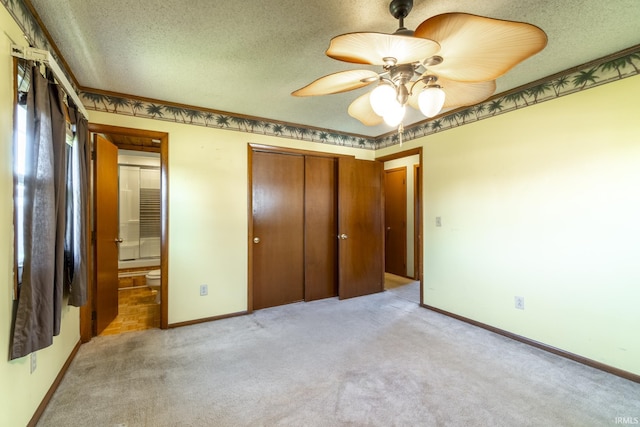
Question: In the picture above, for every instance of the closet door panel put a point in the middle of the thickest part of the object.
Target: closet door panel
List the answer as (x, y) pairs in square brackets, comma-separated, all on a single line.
[(321, 243), (278, 229)]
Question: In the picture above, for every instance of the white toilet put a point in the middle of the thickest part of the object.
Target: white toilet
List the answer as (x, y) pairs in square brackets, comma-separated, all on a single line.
[(153, 281)]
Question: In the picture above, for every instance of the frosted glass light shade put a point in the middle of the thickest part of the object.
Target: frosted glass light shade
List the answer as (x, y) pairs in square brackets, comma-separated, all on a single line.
[(394, 115), (382, 99), (431, 100)]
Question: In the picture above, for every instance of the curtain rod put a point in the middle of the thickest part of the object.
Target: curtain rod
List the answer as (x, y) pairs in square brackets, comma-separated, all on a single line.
[(45, 57)]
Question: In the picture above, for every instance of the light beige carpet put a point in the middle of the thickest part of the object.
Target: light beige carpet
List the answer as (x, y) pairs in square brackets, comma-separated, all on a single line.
[(379, 360)]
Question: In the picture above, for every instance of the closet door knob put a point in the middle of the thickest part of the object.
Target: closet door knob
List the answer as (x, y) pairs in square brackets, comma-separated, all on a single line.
[(256, 240), (343, 236), (118, 240)]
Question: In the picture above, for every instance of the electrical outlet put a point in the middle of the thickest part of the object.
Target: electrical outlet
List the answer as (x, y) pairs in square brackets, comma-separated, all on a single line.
[(438, 222), (204, 290), (34, 362), (519, 301)]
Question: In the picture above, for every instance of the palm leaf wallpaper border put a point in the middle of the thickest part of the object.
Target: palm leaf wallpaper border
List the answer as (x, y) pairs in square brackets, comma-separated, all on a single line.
[(28, 23), (596, 73), (119, 104)]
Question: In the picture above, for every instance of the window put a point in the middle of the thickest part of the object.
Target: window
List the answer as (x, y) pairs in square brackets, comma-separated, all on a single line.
[(49, 222), (19, 160), (19, 164)]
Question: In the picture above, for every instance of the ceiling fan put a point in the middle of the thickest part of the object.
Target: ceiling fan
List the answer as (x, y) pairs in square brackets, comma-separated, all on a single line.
[(449, 61)]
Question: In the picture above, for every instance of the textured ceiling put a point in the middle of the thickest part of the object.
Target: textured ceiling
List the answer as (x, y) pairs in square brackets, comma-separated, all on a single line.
[(246, 57)]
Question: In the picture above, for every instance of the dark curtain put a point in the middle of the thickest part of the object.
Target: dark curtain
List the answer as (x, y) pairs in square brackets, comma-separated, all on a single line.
[(76, 211), (39, 304), (60, 159)]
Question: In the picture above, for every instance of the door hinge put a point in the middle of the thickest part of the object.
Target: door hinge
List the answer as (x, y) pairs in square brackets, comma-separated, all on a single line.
[(93, 236), (93, 154), (93, 316)]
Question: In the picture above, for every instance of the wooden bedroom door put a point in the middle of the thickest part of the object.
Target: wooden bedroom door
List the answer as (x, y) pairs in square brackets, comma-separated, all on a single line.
[(360, 227), (395, 221), (106, 218)]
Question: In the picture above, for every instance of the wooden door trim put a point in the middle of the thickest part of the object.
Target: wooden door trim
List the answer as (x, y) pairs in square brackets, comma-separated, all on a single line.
[(417, 215), (86, 330), (419, 248), (401, 155), (250, 150), (295, 151)]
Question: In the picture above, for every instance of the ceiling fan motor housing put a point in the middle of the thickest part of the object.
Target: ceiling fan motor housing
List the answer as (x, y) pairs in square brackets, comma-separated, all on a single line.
[(400, 8)]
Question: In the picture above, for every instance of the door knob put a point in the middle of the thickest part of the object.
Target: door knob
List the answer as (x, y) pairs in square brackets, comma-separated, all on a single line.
[(118, 240), (256, 240), (342, 236)]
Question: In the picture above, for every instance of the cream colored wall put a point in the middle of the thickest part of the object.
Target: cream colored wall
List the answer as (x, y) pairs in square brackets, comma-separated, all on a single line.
[(20, 391), (208, 212), (542, 203), (408, 163)]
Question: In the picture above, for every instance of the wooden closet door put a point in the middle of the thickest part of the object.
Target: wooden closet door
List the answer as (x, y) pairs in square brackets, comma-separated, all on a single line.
[(360, 227), (321, 225), (278, 229)]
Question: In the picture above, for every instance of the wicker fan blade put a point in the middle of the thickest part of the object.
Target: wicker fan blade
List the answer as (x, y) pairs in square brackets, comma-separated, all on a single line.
[(338, 82), (458, 94), (361, 109), (373, 48), (476, 48)]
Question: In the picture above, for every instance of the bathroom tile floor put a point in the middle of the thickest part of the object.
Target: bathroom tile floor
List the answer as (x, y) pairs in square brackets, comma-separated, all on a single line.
[(137, 310)]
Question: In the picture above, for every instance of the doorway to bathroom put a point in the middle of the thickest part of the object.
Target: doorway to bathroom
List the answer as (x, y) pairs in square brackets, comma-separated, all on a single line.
[(130, 197)]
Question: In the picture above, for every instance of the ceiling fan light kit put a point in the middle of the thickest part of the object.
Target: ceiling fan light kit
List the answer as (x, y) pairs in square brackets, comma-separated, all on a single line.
[(431, 100), (393, 117), (382, 99), (464, 53)]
